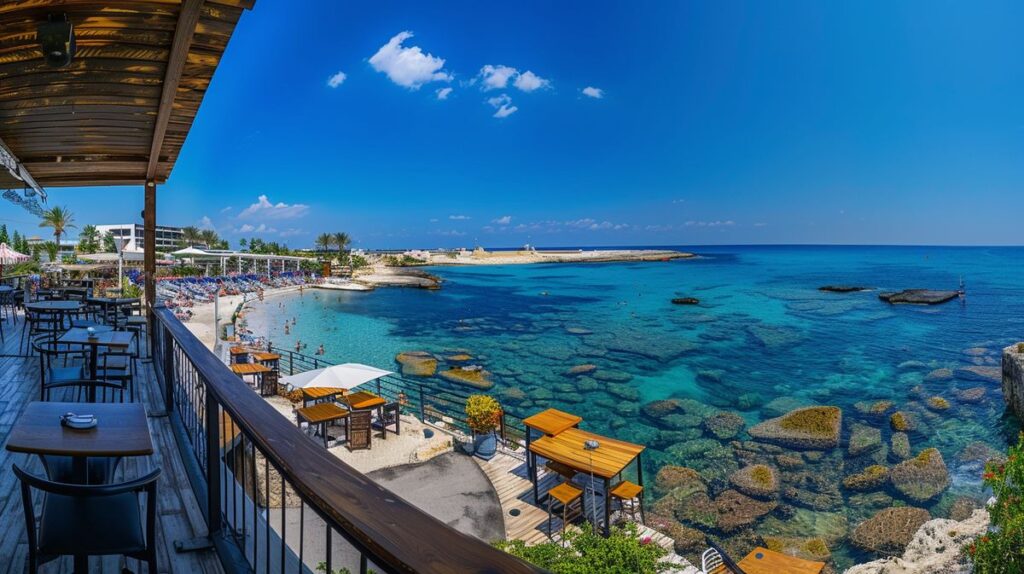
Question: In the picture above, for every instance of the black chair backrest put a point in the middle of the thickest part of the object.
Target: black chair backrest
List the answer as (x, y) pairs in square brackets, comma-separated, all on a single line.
[(89, 386)]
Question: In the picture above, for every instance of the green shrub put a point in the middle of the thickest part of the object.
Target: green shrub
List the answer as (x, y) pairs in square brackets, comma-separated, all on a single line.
[(1001, 550), (587, 552)]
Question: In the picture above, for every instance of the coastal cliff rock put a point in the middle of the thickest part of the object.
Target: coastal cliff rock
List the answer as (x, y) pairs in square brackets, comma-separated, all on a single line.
[(815, 428), (921, 478), (889, 530), (1013, 378), (417, 363), (935, 547), (919, 297)]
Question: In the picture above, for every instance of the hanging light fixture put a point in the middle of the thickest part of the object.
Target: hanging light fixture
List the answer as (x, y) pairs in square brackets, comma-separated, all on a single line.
[(57, 39)]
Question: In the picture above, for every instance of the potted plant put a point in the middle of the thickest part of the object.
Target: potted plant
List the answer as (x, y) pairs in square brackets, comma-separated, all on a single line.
[(483, 413)]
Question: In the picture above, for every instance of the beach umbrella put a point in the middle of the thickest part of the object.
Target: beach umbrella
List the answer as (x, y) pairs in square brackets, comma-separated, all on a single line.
[(345, 376), (9, 256)]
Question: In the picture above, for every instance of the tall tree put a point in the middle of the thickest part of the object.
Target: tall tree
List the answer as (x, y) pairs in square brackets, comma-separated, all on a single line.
[(60, 219), (243, 244), (109, 243), (342, 241), (88, 239), (190, 236), (209, 238), (324, 241), (4, 238)]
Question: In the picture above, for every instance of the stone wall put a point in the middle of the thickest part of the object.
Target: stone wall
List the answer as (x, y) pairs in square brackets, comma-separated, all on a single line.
[(1013, 379)]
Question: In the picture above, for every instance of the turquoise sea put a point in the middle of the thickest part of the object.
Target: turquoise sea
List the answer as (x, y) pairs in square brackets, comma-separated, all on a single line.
[(762, 340)]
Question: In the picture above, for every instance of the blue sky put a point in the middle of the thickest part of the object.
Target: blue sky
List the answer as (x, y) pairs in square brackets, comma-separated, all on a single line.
[(717, 122)]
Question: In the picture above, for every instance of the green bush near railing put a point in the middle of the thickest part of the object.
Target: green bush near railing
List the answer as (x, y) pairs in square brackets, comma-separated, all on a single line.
[(587, 552), (1001, 550)]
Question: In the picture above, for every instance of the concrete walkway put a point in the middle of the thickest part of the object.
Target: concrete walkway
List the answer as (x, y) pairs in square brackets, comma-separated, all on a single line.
[(452, 488)]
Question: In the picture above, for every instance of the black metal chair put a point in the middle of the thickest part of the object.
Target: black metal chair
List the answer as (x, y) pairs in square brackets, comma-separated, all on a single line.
[(90, 520), (118, 367), (88, 388), (40, 324), (53, 362), (390, 417)]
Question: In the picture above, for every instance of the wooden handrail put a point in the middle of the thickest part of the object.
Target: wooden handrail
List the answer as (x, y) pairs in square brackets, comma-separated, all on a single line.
[(393, 533)]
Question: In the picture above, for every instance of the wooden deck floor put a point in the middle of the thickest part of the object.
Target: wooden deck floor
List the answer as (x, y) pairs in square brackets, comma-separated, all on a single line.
[(178, 514)]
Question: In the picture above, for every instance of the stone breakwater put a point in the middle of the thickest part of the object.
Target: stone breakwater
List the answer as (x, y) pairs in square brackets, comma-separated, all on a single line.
[(1013, 378)]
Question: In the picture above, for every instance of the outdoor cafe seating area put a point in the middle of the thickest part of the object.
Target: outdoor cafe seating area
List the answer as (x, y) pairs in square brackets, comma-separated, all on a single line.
[(67, 352), (336, 405)]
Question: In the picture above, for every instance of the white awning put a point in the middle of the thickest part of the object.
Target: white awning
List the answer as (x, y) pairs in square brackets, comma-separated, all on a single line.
[(346, 376)]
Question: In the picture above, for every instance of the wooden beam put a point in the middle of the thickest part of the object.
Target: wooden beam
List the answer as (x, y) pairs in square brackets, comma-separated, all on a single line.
[(188, 17), (149, 245)]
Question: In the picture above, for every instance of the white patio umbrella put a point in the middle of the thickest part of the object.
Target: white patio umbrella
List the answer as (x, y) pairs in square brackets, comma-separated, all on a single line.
[(8, 256), (346, 376)]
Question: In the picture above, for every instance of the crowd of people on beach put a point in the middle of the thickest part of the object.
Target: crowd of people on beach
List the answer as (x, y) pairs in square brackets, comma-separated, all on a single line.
[(182, 293)]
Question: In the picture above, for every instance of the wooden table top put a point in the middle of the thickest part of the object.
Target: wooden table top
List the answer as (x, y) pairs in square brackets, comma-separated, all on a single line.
[(239, 351), (122, 430), (552, 421), (266, 356), (118, 339), (764, 561), (54, 305), (363, 400), (322, 413), (607, 460), (250, 369), (321, 392)]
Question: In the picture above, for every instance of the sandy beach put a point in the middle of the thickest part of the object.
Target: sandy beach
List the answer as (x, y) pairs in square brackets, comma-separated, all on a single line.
[(483, 257), (202, 324)]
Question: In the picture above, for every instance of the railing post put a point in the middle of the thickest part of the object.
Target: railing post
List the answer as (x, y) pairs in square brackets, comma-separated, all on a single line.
[(168, 366), (213, 494), (423, 406)]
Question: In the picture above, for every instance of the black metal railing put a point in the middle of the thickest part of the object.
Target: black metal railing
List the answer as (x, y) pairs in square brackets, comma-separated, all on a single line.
[(277, 502)]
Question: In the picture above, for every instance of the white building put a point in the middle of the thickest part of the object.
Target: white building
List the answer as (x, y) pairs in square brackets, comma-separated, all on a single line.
[(167, 238)]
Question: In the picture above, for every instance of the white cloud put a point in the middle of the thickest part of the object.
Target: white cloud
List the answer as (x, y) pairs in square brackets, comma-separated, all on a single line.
[(292, 232), (496, 77), (226, 209), (716, 223), (528, 82), (433, 220), (448, 232), (592, 92), (760, 224), (503, 106), (337, 79), (264, 209), (261, 228), (443, 93), (678, 201), (503, 220), (408, 67), (205, 223), (459, 217)]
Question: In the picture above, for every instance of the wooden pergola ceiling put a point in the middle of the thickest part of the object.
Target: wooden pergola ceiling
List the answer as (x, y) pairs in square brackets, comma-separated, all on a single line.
[(119, 113)]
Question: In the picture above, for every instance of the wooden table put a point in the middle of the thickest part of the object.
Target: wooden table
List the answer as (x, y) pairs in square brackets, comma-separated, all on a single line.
[(552, 421), (320, 393), (321, 414), (109, 339), (764, 561), (609, 459), (122, 431), (255, 369), (269, 359), (238, 352)]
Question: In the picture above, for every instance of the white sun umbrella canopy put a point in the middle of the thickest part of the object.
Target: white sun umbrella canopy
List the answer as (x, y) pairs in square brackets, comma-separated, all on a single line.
[(346, 376)]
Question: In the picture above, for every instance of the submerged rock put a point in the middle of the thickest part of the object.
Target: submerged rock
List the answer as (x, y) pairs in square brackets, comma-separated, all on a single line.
[(580, 370), (682, 479), (842, 288), (980, 373), (921, 478), (871, 478), (774, 337), (810, 428), (937, 404), (684, 538), (737, 510), (919, 297), (417, 363), (864, 439), (900, 444), (889, 530), (724, 425), (972, 395), (902, 421), (758, 480), (685, 301), (477, 378)]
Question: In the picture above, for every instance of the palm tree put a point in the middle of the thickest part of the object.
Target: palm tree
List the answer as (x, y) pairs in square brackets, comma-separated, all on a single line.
[(324, 241), (60, 219), (210, 239), (190, 236), (342, 240), (88, 239)]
